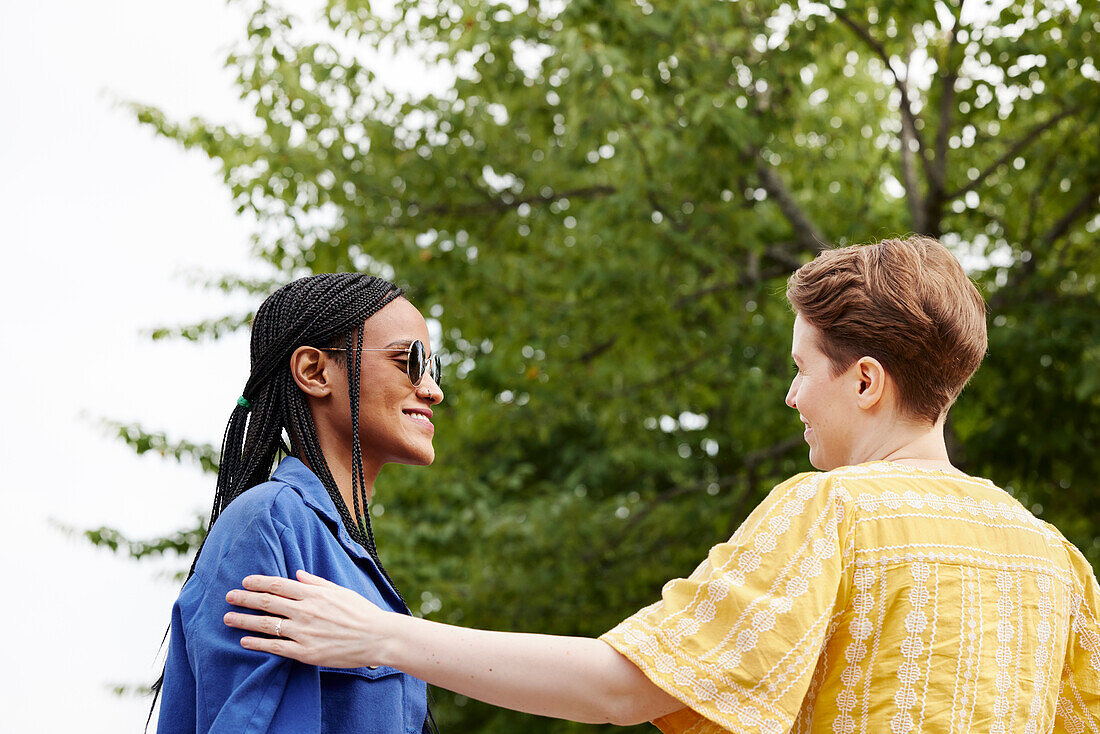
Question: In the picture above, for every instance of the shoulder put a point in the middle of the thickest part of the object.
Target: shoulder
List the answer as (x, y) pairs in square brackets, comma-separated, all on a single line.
[(813, 487), (1082, 571), (866, 476), (254, 523), (887, 478), (272, 504), (809, 500)]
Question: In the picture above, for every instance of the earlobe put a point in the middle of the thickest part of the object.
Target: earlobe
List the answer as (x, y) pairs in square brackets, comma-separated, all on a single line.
[(309, 367)]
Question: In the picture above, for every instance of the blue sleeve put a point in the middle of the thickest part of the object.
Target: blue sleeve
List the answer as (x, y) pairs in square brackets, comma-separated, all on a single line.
[(238, 690)]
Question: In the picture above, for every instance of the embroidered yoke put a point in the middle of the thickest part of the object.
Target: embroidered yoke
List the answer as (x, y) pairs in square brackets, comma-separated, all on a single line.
[(878, 598)]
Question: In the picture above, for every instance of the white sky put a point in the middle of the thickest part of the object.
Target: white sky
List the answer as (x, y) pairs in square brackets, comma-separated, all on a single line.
[(98, 219)]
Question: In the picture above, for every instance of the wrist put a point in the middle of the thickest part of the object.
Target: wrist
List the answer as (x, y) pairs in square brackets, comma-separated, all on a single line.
[(388, 634)]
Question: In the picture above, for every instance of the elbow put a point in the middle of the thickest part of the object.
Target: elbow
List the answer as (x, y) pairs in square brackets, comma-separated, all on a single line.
[(627, 720), (630, 698), (624, 707), (625, 711), (626, 696)]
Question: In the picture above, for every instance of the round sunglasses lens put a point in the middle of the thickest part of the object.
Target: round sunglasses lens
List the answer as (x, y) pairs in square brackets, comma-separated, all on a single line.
[(437, 370), (416, 362)]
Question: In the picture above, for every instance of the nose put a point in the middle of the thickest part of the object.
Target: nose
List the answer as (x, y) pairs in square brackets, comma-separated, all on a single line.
[(429, 390), (791, 392)]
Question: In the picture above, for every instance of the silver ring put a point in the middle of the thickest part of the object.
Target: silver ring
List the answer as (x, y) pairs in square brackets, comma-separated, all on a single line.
[(277, 626)]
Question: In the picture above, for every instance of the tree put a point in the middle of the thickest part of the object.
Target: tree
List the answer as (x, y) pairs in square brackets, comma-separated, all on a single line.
[(600, 213)]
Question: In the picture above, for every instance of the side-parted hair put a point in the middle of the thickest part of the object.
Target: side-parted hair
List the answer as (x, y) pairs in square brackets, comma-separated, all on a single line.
[(905, 302)]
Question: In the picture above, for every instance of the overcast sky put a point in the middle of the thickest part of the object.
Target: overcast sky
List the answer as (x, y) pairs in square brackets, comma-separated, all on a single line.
[(98, 220)]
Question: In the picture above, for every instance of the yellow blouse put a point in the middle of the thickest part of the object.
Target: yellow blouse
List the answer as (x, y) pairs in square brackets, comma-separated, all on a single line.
[(878, 598)]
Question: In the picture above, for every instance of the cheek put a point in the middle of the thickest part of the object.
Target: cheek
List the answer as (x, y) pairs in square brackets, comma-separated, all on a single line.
[(376, 408), (806, 396)]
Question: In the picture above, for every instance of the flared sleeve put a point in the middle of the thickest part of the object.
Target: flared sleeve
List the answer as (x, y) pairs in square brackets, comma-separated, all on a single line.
[(1078, 708), (738, 640)]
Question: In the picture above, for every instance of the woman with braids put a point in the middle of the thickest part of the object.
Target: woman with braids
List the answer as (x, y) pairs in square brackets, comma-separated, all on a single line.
[(888, 591), (341, 383)]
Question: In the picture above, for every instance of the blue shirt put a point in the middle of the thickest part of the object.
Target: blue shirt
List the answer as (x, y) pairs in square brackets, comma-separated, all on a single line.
[(212, 684)]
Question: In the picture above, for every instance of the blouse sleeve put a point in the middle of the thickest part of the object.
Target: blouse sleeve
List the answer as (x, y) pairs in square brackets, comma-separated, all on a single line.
[(1078, 707), (738, 640), (240, 690)]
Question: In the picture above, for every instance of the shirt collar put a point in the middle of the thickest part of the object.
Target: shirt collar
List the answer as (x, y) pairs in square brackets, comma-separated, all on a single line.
[(296, 475)]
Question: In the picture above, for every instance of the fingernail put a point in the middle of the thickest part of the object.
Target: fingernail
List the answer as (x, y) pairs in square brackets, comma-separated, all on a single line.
[(231, 597)]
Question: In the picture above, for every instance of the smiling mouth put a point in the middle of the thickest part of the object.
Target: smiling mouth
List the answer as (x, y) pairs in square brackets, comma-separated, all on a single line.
[(419, 417)]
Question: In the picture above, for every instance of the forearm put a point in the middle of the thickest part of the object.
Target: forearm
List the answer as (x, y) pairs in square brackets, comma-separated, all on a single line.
[(575, 678)]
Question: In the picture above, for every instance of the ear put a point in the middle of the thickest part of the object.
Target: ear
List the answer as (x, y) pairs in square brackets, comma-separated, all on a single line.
[(313, 371), (872, 382)]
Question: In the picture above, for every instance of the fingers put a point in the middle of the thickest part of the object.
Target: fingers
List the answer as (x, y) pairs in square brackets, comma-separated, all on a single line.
[(275, 585), (285, 648), (256, 623), (261, 602), (307, 578)]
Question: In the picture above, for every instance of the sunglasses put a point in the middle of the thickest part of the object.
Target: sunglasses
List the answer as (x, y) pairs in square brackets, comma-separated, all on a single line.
[(417, 363)]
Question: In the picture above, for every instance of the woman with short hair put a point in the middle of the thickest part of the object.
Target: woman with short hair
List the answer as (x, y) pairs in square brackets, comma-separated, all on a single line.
[(887, 591)]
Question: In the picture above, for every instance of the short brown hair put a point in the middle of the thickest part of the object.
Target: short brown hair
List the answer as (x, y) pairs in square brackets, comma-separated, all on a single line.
[(905, 302)]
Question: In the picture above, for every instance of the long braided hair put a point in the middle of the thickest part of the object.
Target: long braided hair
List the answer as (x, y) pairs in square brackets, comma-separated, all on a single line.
[(319, 310)]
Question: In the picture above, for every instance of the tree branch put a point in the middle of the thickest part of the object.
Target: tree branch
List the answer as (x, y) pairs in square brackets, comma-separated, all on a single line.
[(868, 190), (499, 205), (1034, 199), (908, 117), (909, 175), (1087, 204), (647, 169), (749, 464), (1014, 150), (745, 280), (676, 371), (807, 233), (781, 254), (947, 106), (597, 350)]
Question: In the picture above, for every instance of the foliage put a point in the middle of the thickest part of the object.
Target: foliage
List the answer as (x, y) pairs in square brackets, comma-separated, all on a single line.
[(601, 210), (143, 441)]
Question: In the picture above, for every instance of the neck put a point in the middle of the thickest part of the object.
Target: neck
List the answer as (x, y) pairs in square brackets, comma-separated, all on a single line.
[(338, 457), (908, 443)]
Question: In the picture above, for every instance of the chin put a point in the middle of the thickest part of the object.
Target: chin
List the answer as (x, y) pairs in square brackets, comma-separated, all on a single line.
[(820, 463), (421, 458)]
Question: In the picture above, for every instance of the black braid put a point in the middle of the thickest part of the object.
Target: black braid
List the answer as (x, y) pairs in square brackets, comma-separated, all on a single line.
[(319, 310)]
